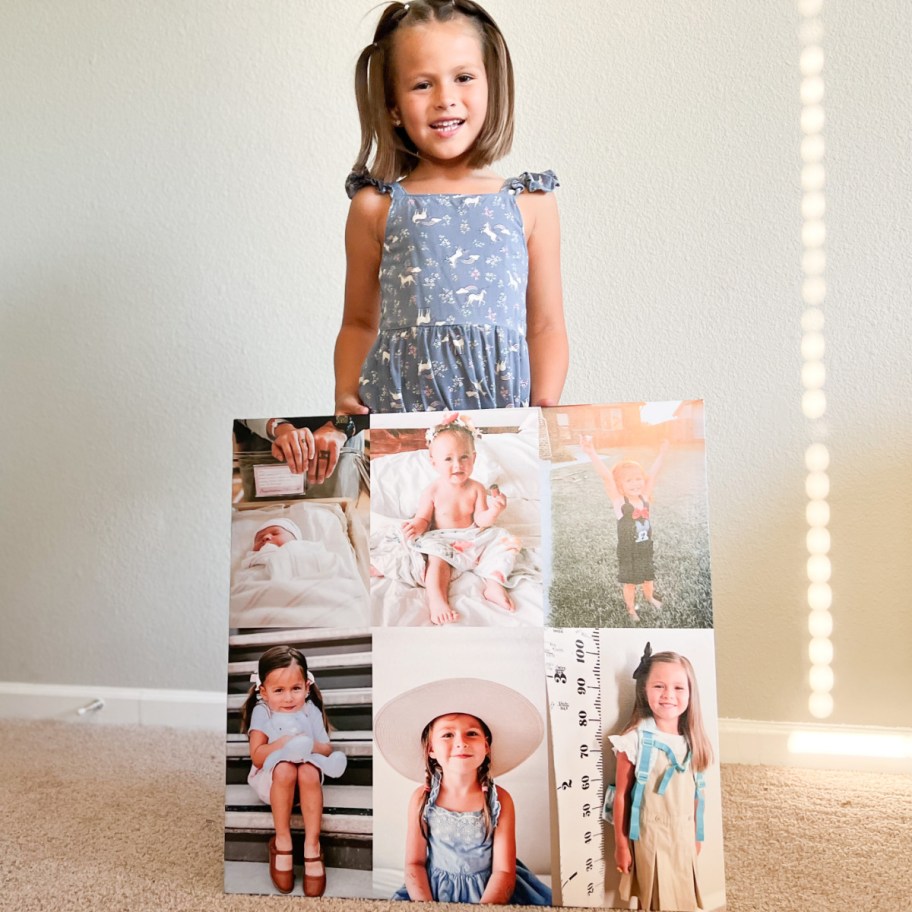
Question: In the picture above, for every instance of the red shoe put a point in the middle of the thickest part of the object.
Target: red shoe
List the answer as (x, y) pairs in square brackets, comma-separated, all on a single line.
[(314, 884), (283, 880)]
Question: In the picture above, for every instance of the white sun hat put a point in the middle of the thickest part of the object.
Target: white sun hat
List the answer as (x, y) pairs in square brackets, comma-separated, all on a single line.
[(516, 725)]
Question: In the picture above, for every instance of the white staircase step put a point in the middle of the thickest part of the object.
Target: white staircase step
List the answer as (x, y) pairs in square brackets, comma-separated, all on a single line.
[(253, 877), (355, 826), (281, 637), (349, 797), (342, 660)]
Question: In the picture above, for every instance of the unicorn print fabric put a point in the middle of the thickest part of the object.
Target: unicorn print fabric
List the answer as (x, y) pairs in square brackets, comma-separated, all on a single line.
[(453, 279)]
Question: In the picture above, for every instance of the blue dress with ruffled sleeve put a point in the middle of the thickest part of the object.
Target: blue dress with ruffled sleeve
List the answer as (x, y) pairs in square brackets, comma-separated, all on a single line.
[(460, 856), (453, 278)]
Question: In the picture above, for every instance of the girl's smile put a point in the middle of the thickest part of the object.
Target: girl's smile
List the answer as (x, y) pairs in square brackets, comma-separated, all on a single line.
[(441, 87), (668, 694), (285, 689), (453, 457), (457, 741)]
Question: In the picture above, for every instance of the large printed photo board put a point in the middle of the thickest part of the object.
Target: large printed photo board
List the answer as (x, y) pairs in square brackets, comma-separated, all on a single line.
[(506, 621)]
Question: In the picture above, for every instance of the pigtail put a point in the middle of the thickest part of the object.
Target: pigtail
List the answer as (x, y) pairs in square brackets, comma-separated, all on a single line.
[(315, 697), (247, 709), (486, 783)]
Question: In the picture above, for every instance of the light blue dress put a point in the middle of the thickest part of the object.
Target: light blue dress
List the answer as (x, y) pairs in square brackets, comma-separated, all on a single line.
[(460, 856), (453, 280)]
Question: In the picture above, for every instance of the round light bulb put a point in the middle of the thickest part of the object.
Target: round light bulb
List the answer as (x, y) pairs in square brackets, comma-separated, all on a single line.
[(820, 651), (818, 568), (812, 90), (813, 404), (813, 233), (811, 61), (820, 705), (813, 176), (813, 262), (821, 678), (820, 623), (820, 597), (818, 541), (812, 321), (817, 513), (817, 458)]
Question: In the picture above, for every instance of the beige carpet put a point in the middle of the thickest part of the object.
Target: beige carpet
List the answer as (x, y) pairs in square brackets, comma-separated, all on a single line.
[(128, 818)]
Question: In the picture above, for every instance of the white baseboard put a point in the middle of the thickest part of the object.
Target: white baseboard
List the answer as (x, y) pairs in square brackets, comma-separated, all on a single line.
[(768, 743), (740, 740), (198, 709)]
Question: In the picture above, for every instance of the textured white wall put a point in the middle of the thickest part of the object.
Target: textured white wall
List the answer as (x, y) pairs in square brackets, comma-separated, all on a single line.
[(171, 214)]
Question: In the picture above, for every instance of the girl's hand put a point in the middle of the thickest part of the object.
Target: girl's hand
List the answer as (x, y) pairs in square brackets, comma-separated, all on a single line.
[(622, 857), (497, 500), (350, 404), (587, 445), (412, 528)]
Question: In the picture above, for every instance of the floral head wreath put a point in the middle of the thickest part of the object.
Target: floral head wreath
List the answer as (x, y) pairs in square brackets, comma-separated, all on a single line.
[(449, 422)]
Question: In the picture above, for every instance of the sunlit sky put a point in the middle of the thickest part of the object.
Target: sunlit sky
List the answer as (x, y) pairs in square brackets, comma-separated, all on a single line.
[(658, 412)]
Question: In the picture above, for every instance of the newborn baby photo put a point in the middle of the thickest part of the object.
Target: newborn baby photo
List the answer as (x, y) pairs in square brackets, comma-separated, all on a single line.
[(296, 565)]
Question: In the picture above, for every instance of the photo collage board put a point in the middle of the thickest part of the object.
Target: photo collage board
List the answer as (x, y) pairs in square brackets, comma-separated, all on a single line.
[(506, 622)]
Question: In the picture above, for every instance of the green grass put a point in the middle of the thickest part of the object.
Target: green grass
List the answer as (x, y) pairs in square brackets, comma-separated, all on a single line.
[(584, 590)]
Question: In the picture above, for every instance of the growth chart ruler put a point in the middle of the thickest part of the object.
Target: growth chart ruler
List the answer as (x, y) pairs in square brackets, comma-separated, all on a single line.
[(574, 698)]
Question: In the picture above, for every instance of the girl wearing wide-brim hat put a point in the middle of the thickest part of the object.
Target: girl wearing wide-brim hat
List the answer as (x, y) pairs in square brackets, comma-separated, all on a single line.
[(453, 736)]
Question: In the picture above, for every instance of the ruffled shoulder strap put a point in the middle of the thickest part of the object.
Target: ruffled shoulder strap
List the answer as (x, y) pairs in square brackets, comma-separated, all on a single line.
[(530, 181), (493, 804), (357, 180)]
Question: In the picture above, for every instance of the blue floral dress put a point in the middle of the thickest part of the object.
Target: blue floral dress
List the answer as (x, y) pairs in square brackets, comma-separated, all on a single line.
[(460, 856), (453, 279)]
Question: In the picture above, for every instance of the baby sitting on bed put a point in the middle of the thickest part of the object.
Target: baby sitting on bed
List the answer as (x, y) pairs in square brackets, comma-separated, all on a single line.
[(454, 524), (281, 553)]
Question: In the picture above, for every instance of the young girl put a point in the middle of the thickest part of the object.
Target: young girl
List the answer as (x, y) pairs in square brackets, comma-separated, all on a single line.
[(461, 839), (290, 749), (630, 488), (658, 827), (458, 269)]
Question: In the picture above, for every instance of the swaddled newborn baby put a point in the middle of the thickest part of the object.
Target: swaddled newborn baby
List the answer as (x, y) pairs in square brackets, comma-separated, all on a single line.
[(280, 553)]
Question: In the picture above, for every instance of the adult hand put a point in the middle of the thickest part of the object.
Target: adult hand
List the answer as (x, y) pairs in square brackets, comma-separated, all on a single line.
[(328, 443), (294, 446)]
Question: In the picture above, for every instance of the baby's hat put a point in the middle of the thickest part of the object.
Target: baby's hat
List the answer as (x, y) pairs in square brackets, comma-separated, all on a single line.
[(516, 725), (287, 524)]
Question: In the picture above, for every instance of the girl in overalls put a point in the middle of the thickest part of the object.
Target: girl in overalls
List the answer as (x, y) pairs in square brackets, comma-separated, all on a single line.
[(658, 805)]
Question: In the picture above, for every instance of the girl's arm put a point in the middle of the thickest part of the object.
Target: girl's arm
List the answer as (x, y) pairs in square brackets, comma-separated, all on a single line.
[(416, 879), (260, 747), (623, 857), (546, 332), (588, 447), (361, 315), (488, 507), (654, 470), (502, 881), (421, 521)]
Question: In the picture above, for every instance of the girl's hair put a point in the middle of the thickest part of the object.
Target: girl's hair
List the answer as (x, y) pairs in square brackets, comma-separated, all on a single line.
[(432, 767), (394, 154), (690, 722), (276, 658), (625, 467)]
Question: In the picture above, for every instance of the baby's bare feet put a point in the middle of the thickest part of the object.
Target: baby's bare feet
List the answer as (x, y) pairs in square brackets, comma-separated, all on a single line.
[(440, 611), (496, 593), (655, 603)]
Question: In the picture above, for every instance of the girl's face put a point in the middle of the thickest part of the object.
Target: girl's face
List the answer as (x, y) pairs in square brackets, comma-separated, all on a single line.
[(453, 457), (440, 85), (272, 535), (668, 694), (285, 689), (458, 743), (632, 483)]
